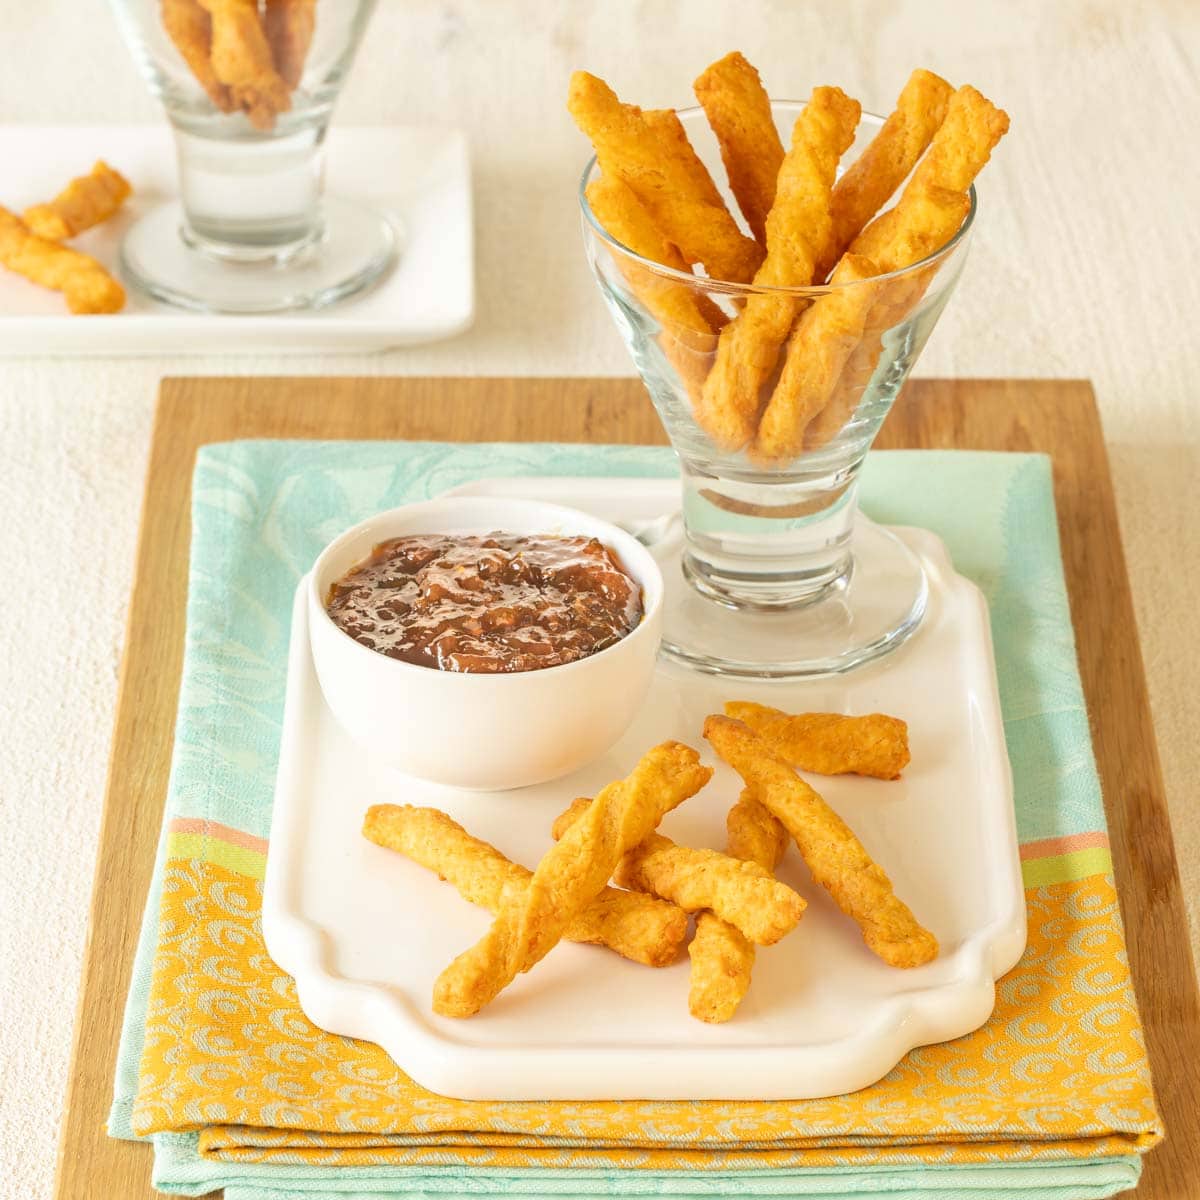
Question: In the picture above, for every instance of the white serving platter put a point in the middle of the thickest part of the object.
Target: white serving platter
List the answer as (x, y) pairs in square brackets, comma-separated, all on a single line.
[(420, 177), (365, 932)]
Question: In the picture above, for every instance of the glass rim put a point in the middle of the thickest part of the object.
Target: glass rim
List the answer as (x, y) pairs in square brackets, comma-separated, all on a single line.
[(728, 287)]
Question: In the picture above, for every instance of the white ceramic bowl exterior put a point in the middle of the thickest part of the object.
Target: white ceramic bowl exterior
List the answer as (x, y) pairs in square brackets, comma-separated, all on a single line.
[(482, 732)]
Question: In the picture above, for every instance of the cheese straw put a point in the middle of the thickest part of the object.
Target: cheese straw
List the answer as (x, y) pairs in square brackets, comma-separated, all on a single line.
[(829, 743), (686, 317), (189, 27), (636, 926), (927, 215), (675, 305), (572, 873), (650, 153), (84, 202), (754, 833), (824, 338), (86, 285), (722, 958), (289, 26), (838, 860), (741, 893), (241, 59), (931, 210), (894, 300), (798, 227), (739, 112), (885, 164)]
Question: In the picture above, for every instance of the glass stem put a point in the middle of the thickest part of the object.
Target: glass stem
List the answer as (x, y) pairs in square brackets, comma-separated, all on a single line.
[(768, 545), (251, 200)]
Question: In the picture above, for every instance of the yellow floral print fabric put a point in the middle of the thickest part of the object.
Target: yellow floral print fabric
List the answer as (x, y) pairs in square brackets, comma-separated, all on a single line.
[(1058, 1072)]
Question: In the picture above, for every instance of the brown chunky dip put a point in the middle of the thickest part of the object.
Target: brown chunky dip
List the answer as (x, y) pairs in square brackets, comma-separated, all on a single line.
[(496, 603)]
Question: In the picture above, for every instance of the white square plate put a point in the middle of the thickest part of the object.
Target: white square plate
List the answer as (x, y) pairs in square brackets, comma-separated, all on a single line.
[(366, 932), (419, 177)]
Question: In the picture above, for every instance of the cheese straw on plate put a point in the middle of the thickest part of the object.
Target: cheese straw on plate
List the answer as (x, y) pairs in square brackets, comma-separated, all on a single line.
[(838, 860), (722, 958), (636, 926), (741, 893), (573, 872)]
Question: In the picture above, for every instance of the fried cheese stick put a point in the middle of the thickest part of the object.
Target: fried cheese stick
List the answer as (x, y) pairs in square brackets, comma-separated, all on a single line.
[(189, 26), (86, 285), (636, 926), (829, 743), (886, 163), (739, 112), (241, 59), (650, 153), (85, 201), (722, 958), (742, 893), (817, 351), (837, 859), (572, 873), (289, 26), (797, 229)]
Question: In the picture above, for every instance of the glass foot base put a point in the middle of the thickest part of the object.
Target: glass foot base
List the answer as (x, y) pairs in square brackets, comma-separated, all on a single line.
[(358, 245), (852, 622)]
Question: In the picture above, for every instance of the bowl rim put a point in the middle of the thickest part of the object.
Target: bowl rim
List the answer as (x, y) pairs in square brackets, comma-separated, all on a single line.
[(645, 571), (728, 287)]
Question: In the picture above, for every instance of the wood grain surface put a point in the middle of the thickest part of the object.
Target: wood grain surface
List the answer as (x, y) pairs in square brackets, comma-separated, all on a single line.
[(1058, 417)]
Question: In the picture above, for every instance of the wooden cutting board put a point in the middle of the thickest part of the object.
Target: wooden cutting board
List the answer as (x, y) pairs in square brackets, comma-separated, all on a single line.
[(1058, 417)]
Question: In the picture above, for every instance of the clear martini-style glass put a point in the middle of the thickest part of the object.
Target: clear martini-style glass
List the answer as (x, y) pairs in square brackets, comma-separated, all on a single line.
[(252, 231), (772, 571)]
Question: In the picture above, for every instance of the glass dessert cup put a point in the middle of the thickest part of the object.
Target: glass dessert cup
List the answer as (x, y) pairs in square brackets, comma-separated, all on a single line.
[(772, 572), (251, 231)]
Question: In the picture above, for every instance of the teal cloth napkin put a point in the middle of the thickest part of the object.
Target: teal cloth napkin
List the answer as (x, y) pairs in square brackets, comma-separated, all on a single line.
[(994, 511)]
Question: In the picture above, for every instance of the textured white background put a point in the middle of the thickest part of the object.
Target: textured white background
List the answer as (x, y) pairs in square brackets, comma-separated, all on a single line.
[(1084, 264)]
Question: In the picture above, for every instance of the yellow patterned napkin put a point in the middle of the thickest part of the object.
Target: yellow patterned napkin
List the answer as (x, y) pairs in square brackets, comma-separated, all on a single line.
[(1059, 1070)]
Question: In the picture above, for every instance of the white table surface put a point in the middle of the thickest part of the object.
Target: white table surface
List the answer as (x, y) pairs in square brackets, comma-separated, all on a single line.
[(1084, 264)]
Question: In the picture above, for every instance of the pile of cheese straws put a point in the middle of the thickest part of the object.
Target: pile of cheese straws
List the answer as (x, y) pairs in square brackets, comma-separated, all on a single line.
[(737, 901), (774, 374)]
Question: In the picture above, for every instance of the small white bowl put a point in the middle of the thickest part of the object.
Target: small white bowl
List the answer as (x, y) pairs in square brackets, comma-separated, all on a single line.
[(482, 731)]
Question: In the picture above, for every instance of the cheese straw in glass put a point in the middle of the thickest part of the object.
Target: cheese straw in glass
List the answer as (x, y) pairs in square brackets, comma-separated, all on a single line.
[(249, 91), (772, 571)]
